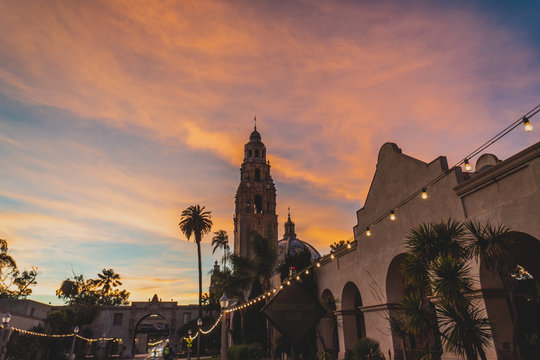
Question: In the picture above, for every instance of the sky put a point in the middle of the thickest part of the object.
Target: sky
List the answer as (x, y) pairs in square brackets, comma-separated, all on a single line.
[(117, 115)]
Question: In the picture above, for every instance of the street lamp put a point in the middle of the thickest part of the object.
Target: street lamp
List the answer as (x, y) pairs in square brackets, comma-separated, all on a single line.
[(6, 334), (72, 351), (189, 345), (199, 324), (224, 303)]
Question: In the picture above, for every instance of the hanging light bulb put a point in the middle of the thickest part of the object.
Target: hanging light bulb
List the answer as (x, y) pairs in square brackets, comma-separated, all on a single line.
[(468, 166), (368, 232), (307, 272), (297, 277), (318, 264), (280, 287), (527, 124), (348, 244), (288, 282), (392, 215), (332, 256), (424, 193)]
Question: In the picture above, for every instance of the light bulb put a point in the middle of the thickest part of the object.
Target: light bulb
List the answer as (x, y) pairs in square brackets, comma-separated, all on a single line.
[(332, 256), (368, 232), (468, 166), (318, 264), (280, 287), (288, 282), (527, 124), (297, 277), (348, 245), (392, 215), (307, 272), (424, 194)]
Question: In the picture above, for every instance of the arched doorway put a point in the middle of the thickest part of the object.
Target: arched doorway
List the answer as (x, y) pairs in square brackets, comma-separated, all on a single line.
[(151, 333), (525, 297), (354, 326), (328, 325), (395, 292)]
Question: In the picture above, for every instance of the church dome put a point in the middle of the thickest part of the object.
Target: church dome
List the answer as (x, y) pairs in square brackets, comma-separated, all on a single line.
[(255, 136), (290, 245)]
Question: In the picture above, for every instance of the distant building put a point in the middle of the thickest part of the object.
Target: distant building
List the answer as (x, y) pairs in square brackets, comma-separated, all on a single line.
[(25, 314)]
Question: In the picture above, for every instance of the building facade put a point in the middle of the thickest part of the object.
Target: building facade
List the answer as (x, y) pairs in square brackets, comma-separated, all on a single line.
[(365, 282)]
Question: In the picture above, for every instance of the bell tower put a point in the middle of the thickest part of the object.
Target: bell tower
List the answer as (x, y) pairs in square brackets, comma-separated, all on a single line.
[(255, 208)]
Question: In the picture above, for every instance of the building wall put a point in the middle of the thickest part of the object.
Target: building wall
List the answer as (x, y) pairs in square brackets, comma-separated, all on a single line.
[(506, 193)]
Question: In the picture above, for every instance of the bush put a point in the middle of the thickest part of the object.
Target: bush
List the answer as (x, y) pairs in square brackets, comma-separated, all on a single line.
[(367, 349), (253, 351)]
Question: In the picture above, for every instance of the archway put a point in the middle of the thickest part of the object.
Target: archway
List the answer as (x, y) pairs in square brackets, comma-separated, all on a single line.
[(395, 292), (525, 297), (354, 326), (328, 325), (151, 332)]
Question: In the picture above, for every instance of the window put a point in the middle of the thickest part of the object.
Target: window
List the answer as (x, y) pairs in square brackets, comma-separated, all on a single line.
[(249, 153), (117, 321), (32, 312), (257, 174), (187, 318), (257, 153), (258, 204)]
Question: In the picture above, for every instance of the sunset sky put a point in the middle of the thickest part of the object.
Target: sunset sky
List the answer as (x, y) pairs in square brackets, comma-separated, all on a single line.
[(116, 115)]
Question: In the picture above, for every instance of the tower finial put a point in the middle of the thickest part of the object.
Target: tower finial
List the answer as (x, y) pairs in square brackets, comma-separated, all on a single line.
[(255, 120), (289, 211)]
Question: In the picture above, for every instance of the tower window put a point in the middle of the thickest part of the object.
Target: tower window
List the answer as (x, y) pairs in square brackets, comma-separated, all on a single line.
[(257, 175), (249, 153), (257, 153), (258, 204)]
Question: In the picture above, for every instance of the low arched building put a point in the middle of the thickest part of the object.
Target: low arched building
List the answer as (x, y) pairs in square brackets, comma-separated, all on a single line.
[(365, 281)]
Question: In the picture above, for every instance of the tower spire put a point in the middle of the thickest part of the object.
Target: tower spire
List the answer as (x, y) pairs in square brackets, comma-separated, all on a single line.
[(255, 121)]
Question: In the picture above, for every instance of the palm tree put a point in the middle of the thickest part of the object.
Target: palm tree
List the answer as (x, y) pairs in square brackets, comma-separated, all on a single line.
[(197, 222), (107, 280), (492, 246), (221, 240), (5, 259)]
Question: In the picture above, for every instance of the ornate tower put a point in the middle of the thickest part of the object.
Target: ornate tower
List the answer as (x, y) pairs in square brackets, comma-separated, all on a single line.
[(255, 197)]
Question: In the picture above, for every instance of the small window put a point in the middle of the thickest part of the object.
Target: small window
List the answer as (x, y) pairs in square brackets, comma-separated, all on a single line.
[(249, 153), (258, 204), (117, 321), (257, 153), (187, 318), (257, 174)]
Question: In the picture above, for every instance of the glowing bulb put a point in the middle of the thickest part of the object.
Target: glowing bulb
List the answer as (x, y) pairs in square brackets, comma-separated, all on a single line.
[(424, 194), (288, 282), (280, 287), (332, 256), (392, 215), (348, 245), (318, 264), (297, 277), (307, 272), (527, 124), (269, 293), (468, 166), (368, 232)]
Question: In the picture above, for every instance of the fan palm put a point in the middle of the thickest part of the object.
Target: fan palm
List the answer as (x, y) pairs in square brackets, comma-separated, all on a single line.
[(197, 222), (492, 246), (107, 280), (221, 240)]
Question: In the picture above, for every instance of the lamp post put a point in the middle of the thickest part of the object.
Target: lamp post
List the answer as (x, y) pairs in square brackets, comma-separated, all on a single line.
[(199, 324), (72, 351), (189, 345), (6, 334), (224, 303)]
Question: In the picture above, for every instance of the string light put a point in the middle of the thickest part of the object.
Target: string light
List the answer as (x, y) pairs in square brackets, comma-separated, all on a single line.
[(318, 264), (348, 244), (368, 232), (288, 282), (297, 277), (307, 272), (392, 215), (527, 124), (468, 166), (332, 255), (424, 193)]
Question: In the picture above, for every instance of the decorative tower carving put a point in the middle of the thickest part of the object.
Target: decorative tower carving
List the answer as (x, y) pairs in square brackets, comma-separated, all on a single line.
[(255, 197)]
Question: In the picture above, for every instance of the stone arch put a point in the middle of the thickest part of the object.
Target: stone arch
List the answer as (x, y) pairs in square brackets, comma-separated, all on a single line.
[(354, 326), (258, 204), (526, 252), (136, 345), (328, 340), (395, 292)]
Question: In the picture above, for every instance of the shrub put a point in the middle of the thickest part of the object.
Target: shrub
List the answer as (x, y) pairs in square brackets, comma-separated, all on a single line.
[(367, 349)]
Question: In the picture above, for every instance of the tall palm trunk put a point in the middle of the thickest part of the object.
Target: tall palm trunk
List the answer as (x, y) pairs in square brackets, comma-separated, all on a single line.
[(198, 241), (516, 350)]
